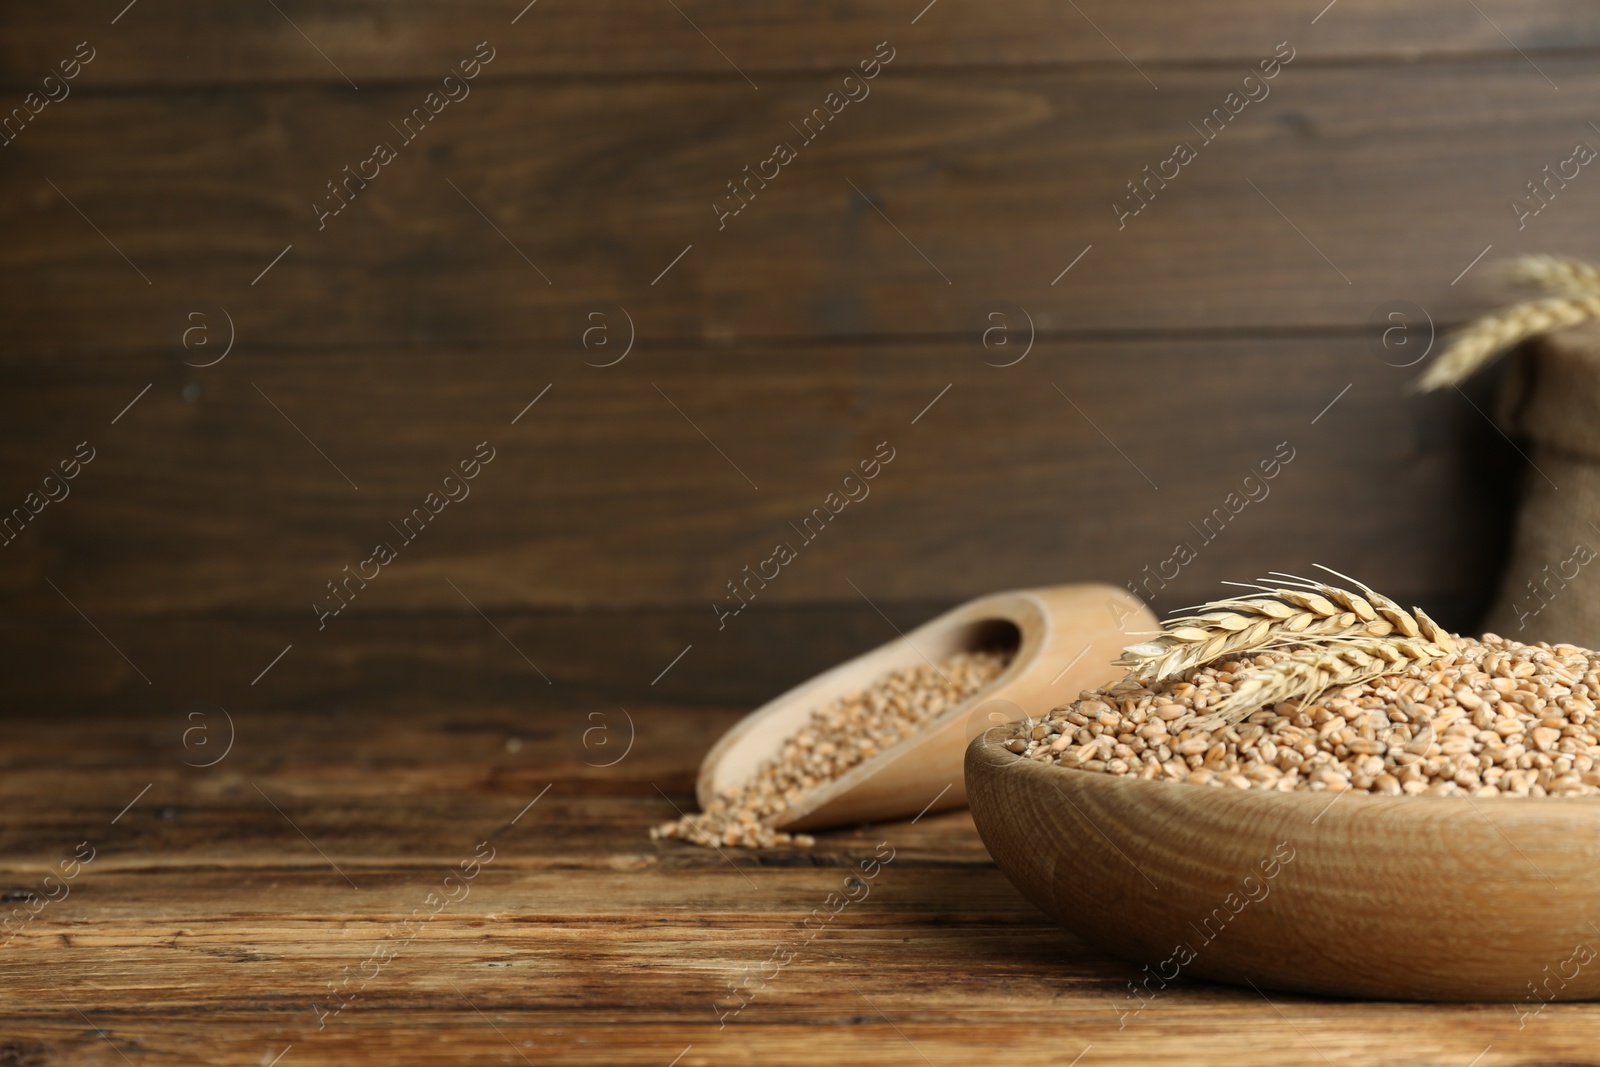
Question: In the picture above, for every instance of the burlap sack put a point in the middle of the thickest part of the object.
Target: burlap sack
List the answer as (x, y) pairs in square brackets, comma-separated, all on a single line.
[(1550, 590)]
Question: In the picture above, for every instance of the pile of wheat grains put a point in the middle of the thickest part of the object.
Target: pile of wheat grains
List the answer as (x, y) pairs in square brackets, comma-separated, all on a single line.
[(837, 737), (1486, 718)]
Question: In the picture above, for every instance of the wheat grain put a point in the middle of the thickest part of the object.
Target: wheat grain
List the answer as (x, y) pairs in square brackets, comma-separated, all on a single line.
[(1489, 718), (1479, 342), (836, 738), (1295, 610)]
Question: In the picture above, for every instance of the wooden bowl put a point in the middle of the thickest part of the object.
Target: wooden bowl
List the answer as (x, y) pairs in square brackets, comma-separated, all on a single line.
[(1064, 637), (1412, 898)]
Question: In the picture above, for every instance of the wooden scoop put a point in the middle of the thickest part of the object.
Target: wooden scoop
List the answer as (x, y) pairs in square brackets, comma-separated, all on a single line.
[(1064, 638)]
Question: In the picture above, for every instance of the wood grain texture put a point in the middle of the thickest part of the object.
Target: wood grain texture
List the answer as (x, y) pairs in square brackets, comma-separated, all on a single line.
[(1396, 177), (200, 44), (611, 491), (1292, 890), (415, 661), (207, 926)]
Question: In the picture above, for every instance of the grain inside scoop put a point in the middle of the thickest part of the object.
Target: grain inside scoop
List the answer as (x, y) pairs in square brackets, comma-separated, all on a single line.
[(1028, 649)]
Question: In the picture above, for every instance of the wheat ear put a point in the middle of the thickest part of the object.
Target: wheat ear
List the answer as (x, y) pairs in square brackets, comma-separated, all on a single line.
[(1306, 674), (1479, 342), (1559, 275), (1292, 611)]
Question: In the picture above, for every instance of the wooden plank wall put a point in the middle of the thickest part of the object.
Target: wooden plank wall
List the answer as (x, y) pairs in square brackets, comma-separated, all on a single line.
[(164, 205)]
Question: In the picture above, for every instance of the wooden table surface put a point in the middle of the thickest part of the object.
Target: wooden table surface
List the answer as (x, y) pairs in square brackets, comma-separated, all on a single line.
[(273, 908)]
